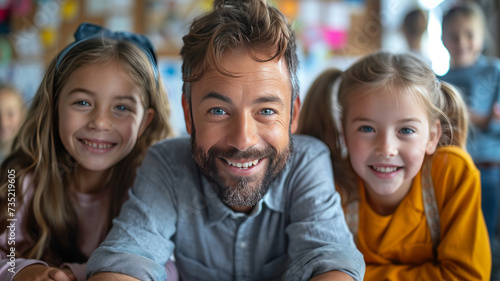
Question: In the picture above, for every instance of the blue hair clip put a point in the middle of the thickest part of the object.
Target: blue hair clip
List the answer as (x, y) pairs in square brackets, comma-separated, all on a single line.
[(88, 30)]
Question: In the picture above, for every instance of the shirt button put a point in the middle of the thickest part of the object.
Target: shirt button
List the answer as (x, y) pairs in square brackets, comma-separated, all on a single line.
[(243, 245)]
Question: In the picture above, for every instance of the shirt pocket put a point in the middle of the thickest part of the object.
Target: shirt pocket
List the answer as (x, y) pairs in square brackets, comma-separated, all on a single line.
[(276, 268), (190, 269), (417, 253)]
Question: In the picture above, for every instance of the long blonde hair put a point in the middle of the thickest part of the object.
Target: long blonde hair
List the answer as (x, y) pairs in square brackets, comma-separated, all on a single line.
[(51, 221), (324, 107)]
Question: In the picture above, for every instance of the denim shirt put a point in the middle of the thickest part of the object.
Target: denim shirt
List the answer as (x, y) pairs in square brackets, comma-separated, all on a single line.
[(295, 232)]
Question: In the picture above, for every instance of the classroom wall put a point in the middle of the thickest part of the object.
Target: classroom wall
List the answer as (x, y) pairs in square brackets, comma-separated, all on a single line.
[(330, 33)]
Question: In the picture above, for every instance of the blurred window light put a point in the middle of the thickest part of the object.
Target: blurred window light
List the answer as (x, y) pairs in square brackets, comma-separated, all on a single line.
[(429, 4), (437, 52)]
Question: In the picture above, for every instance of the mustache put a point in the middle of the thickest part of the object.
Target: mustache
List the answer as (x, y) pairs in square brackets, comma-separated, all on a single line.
[(234, 153)]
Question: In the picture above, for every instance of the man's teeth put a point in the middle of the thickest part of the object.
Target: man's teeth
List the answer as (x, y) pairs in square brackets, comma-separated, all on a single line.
[(244, 165), (385, 169), (97, 145)]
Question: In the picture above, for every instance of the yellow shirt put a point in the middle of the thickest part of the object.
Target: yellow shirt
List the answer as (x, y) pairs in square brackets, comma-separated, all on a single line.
[(399, 246)]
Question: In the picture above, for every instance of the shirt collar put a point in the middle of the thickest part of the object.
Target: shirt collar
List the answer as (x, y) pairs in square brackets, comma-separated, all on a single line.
[(218, 211)]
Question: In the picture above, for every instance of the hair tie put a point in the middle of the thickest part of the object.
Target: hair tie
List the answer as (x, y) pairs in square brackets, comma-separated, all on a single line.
[(88, 31)]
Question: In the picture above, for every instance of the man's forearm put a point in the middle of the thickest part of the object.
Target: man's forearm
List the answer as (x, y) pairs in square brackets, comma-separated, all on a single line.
[(333, 275), (110, 276)]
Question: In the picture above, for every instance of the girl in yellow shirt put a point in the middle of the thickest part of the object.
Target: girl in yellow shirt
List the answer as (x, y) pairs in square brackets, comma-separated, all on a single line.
[(410, 191)]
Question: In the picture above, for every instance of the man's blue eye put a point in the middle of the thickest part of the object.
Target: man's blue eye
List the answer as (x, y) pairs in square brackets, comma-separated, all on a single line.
[(267, 111), (217, 111), (366, 129), (407, 131)]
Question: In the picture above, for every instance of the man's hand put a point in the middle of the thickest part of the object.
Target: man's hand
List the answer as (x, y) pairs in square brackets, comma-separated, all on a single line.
[(109, 276), (40, 272)]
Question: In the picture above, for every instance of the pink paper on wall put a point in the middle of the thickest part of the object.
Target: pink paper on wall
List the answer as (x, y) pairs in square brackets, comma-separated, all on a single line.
[(22, 7), (3, 14), (335, 38), (5, 9)]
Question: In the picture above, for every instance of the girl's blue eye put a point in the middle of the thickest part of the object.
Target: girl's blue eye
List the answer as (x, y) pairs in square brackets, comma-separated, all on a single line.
[(366, 129), (217, 111), (267, 111), (83, 103), (122, 108), (406, 131)]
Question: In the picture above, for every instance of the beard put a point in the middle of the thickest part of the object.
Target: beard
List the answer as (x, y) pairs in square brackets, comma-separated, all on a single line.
[(235, 190)]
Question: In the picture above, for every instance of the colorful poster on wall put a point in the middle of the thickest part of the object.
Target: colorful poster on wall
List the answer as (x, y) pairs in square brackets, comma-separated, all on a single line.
[(5, 16), (27, 43), (48, 36), (69, 10), (289, 8), (167, 20), (95, 8), (324, 23), (5, 51), (21, 8), (119, 22)]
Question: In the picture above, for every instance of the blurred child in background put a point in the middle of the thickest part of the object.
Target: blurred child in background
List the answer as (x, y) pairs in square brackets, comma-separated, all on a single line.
[(414, 27), (11, 115), (478, 79)]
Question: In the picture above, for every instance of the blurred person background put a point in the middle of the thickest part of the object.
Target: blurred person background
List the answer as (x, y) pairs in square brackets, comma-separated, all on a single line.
[(414, 27), (12, 111), (478, 78), (329, 33)]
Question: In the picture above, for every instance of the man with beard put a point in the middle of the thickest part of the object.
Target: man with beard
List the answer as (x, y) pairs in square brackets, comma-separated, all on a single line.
[(243, 199)]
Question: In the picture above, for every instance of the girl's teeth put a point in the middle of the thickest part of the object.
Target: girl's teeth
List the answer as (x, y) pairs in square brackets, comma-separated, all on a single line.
[(385, 169), (244, 165), (95, 145)]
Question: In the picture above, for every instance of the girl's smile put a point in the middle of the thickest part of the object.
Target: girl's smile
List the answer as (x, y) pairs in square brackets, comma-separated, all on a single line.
[(385, 172), (97, 146), (101, 115), (388, 137)]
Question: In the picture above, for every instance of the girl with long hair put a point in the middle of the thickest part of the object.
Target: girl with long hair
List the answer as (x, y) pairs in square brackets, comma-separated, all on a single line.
[(99, 107)]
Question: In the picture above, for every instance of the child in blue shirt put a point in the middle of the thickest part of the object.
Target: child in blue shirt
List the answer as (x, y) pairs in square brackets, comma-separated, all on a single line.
[(478, 78)]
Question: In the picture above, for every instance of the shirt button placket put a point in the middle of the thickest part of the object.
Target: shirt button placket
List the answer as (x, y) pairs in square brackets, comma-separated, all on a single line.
[(242, 257)]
